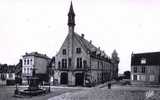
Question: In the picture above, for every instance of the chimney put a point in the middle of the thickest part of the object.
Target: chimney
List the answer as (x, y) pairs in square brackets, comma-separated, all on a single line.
[(82, 35), (90, 41), (26, 53)]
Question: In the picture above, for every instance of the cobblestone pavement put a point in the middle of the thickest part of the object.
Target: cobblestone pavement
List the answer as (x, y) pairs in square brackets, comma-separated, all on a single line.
[(116, 93), (7, 92)]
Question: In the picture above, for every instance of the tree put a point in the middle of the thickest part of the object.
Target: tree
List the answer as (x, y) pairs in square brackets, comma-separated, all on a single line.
[(127, 74)]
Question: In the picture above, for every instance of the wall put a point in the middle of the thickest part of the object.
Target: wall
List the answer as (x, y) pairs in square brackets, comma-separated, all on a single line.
[(149, 72), (71, 52), (41, 65)]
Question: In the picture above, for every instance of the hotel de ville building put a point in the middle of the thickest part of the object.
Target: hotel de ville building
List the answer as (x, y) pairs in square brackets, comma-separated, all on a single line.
[(79, 63)]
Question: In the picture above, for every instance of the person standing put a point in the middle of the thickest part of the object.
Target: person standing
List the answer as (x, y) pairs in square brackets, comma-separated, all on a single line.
[(109, 85)]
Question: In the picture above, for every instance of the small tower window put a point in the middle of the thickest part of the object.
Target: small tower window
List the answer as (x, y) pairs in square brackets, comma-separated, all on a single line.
[(64, 51)]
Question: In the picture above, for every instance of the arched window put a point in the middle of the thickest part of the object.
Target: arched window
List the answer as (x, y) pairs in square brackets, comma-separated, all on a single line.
[(24, 61), (28, 62)]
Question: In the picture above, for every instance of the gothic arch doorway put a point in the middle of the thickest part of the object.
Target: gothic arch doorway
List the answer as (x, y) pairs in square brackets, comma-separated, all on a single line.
[(64, 78), (79, 79)]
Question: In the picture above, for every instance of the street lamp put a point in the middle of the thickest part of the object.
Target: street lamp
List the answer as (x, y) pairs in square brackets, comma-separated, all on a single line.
[(49, 88), (16, 91)]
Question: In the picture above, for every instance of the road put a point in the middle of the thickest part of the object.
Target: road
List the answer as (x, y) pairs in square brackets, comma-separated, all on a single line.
[(117, 92), (7, 92)]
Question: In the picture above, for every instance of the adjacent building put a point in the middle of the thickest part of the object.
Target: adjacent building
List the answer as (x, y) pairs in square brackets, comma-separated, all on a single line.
[(35, 60), (50, 71), (18, 72), (80, 63), (7, 74), (145, 68)]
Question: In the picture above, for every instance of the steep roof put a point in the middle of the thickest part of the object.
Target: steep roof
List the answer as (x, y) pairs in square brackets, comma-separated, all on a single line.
[(88, 46), (150, 58)]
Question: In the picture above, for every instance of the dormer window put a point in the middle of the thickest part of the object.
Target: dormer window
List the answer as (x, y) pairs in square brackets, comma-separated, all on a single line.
[(143, 61), (78, 50), (64, 51)]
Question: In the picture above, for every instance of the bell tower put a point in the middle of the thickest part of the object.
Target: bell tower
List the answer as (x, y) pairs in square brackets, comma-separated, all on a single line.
[(71, 19)]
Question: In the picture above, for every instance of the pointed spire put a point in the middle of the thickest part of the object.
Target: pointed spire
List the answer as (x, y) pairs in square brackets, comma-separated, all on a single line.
[(71, 11), (71, 19)]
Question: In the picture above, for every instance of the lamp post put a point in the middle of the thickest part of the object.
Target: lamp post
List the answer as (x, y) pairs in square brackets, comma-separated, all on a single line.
[(49, 82), (49, 88), (16, 91)]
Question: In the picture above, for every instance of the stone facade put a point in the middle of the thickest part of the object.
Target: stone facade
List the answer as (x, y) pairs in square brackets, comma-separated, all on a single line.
[(79, 62), (145, 68)]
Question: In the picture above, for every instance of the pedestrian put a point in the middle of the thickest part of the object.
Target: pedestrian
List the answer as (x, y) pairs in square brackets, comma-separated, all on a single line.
[(109, 85)]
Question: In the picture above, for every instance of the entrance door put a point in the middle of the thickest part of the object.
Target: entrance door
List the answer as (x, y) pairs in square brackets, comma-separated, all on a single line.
[(64, 78), (79, 79)]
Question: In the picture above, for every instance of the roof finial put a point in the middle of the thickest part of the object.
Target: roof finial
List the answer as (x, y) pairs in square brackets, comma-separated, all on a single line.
[(71, 11)]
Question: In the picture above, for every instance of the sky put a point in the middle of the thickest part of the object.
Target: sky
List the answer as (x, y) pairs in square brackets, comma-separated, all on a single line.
[(129, 26)]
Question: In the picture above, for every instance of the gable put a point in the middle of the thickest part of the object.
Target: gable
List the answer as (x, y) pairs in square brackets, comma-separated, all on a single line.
[(64, 44), (70, 44)]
